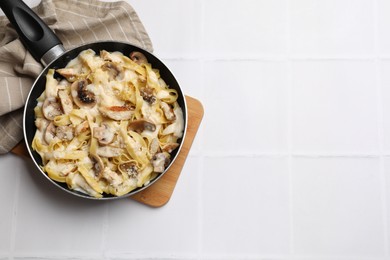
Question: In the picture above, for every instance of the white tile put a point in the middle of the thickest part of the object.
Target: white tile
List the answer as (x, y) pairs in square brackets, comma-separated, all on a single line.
[(385, 94), (8, 185), (334, 107), (173, 25), (189, 75), (387, 195), (155, 232), (244, 28), (246, 207), (52, 221), (186, 190), (337, 208), (332, 27), (383, 19), (245, 107)]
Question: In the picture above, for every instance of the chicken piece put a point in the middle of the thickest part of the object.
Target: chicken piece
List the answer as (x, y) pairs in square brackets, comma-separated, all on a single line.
[(168, 111), (154, 146), (117, 112), (66, 101), (70, 74)]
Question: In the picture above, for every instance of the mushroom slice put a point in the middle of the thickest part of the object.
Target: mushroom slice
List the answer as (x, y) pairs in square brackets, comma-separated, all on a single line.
[(168, 111), (169, 147), (138, 57), (129, 168), (51, 108), (148, 95), (104, 134), (50, 133), (140, 125), (117, 112), (113, 69), (159, 162), (97, 165), (83, 97), (66, 101), (65, 132)]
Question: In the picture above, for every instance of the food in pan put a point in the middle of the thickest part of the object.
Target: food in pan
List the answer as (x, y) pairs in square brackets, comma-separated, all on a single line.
[(106, 123)]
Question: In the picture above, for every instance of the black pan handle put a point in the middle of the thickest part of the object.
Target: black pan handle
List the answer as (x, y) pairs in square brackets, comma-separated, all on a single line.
[(36, 36)]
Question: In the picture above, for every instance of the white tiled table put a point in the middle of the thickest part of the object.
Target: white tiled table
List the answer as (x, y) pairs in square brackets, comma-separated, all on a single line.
[(292, 160)]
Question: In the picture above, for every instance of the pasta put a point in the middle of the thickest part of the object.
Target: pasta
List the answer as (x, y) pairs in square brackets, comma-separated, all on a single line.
[(106, 123)]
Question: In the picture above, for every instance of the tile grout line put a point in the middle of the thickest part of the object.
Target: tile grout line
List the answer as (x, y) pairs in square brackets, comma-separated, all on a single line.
[(378, 80), (383, 174), (279, 58), (200, 208), (289, 127), (301, 154), (201, 134), (199, 190)]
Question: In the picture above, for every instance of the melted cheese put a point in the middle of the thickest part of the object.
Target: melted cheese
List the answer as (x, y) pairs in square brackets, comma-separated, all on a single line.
[(112, 97)]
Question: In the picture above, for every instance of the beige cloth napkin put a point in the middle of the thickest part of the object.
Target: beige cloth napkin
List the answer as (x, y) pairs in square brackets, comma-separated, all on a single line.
[(75, 22)]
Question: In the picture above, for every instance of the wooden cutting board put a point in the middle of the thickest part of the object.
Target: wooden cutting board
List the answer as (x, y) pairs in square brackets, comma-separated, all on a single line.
[(160, 192)]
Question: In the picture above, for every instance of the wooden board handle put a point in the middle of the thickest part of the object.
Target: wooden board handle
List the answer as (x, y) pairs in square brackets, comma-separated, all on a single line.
[(160, 192)]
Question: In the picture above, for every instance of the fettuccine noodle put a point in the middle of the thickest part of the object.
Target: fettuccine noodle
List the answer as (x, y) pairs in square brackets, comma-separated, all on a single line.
[(107, 123)]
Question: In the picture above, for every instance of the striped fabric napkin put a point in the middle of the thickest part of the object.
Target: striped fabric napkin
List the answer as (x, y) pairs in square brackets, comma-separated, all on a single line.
[(75, 22)]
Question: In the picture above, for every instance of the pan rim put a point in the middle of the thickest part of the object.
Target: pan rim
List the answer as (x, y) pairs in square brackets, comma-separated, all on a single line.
[(137, 190)]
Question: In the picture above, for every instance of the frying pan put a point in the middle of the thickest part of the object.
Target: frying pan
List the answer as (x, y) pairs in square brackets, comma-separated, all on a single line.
[(46, 48)]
